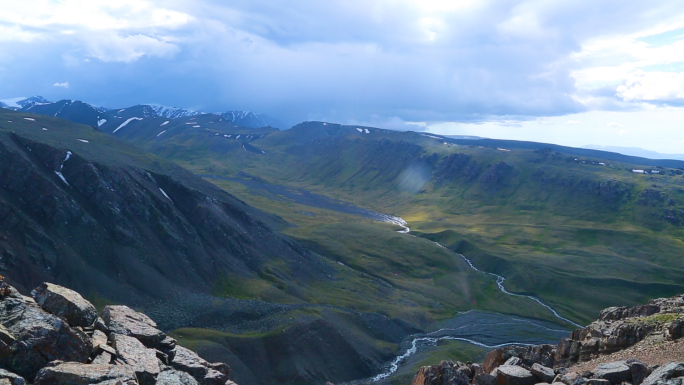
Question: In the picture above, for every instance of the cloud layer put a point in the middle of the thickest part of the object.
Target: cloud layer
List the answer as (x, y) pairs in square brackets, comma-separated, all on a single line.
[(386, 62)]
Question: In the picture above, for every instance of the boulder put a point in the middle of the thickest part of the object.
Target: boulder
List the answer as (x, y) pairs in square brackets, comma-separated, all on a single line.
[(98, 338), (124, 320), (514, 375), (65, 303), (664, 373), (133, 353), (12, 378), (541, 354), (639, 371), (188, 361), (543, 373), (102, 359), (615, 372), (72, 373), (174, 377), (39, 337), (484, 379), (446, 373), (515, 361)]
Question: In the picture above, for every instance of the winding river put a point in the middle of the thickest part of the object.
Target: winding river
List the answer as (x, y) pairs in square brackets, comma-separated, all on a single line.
[(476, 327)]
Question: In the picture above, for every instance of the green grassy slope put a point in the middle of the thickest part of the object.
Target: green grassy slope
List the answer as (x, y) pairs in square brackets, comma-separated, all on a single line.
[(559, 226)]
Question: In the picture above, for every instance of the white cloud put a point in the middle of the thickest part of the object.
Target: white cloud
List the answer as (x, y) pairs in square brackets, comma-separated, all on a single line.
[(573, 122), (614, 125), (662, 86), (15, 33), (91, 14), (115, 48), (63, 85)]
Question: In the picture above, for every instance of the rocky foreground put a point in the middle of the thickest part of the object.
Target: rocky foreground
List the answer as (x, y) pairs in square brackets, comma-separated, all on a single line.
[(55, 337), (638, 338)]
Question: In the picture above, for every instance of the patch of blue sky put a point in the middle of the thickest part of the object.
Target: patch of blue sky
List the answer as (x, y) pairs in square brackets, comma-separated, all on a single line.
[(670, 67), (664, 38)]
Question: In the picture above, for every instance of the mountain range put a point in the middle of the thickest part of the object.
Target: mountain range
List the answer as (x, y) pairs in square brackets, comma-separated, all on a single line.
[(269, 246), (84, 113)]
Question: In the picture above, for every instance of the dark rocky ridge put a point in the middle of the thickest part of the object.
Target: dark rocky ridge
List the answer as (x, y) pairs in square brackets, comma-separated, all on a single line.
[(41, 346), (123, 226), (616, 329)]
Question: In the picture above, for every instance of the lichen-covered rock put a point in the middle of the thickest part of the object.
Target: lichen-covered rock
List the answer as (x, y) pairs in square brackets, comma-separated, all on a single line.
[(133, 353), (39, 337), (174, 377), (65, 303), (205, 373), (124, 320), (72, 373), (618, 328)]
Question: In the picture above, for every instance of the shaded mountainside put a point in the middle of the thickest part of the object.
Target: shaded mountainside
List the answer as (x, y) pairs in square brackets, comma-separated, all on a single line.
[(83, 209)]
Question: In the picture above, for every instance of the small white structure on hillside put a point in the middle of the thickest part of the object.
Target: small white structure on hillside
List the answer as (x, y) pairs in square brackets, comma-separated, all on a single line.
[(639, 171)]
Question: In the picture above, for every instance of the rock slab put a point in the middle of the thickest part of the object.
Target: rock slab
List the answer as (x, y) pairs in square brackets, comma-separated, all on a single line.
[(65, 303), (72, 373)]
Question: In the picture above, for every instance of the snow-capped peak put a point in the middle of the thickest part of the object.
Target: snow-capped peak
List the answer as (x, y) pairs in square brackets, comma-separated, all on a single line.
[(22, 102), (173, 112)]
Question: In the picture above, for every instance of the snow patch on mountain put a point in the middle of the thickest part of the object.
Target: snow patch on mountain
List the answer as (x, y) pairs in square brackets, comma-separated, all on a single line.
[(124, 124), (173, 112), (13, 103)]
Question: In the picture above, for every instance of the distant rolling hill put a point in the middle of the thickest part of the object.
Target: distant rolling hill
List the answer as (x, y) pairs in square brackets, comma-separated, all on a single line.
[(528, 211)]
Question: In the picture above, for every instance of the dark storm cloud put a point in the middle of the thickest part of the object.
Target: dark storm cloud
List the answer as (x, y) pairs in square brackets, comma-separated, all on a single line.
[(344, 61)]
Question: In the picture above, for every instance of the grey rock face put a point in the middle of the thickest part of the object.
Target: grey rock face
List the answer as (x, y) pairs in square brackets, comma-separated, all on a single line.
[(615, 372), (484, 379), (664, 373), (40, 337), (514, 375), (543, 373), (174, 377), (71, 373), (65, 303), (639, 371), (188, 361), (540, 354), (618, 328), (12, 378), (126, 321), (133, 353)]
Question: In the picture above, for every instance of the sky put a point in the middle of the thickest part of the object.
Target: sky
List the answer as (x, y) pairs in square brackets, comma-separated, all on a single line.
[(572, 72)]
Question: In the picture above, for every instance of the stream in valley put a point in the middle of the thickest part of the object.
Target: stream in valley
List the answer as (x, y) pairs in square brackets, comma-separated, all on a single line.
[(484, 329)]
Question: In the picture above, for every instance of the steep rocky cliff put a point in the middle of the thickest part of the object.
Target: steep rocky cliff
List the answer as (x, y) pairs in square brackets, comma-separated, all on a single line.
[(656, 328), (55, 337)]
